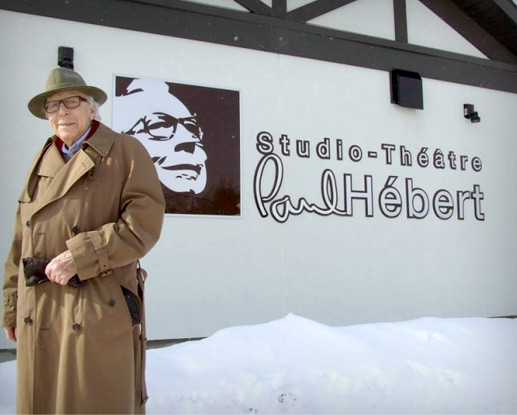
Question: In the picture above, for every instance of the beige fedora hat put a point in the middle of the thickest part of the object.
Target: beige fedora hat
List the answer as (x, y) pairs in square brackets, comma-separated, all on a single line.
[(59, 80)]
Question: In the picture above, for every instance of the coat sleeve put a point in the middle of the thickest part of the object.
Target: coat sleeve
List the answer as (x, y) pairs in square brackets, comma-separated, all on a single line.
[(11, 270), (138, 227)]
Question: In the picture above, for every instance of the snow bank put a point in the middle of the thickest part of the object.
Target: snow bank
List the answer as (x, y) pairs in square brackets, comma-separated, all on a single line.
[(295, 365)]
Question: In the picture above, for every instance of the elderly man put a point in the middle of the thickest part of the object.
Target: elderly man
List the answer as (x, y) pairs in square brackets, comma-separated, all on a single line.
[(90, 208)]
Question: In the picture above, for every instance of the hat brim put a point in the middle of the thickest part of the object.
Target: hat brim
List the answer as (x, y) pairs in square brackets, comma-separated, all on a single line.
[(36, 104)]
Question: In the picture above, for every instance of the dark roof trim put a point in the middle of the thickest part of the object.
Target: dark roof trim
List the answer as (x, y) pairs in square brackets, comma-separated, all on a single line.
[(255, 6), (468, 28), (497, 17), (229, 27), (509, 8), (315, 9)]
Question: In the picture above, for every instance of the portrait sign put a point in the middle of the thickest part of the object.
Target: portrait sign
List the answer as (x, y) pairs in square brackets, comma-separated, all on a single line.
[(192, 134)]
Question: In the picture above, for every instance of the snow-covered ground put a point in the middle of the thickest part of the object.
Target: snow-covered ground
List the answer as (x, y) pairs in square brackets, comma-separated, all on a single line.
[(295, 365)]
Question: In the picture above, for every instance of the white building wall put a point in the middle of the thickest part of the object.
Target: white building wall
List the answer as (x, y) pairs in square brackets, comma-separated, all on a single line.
[(207, 273), (366, 17), (426, 29)]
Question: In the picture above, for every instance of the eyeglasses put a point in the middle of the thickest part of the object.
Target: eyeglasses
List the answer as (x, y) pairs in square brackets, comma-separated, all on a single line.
[(160, 129), (69, 103)]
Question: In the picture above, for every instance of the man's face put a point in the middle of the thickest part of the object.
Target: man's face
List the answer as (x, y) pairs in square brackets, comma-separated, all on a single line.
[(172, 137), (70, 124)]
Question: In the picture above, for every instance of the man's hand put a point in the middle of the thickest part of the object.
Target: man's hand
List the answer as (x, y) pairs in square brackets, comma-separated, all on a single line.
[(10, 332), (61, 268)]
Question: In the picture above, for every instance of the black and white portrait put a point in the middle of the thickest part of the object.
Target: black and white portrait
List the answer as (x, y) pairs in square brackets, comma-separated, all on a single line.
[(192, 133)]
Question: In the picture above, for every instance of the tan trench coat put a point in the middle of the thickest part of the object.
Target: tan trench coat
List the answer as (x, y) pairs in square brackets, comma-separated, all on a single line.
[(78, 351)]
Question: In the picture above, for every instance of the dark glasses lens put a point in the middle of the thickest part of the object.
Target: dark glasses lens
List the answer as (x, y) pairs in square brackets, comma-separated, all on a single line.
[(166, 122), (69, 103)]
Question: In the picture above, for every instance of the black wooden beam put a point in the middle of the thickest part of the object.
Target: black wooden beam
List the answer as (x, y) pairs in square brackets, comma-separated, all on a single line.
[(248, 30), (508, 7), (470, 30), (497, 17), (255, 6), (280, 8), (399, 11), (315, 9)]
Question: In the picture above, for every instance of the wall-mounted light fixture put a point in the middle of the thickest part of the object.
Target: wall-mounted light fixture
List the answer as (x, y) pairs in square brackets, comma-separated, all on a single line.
[(406, 89), (65, 57), (470, 114)]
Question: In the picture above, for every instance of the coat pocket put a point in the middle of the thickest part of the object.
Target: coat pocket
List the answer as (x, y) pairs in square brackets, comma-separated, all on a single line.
[(133, 304)]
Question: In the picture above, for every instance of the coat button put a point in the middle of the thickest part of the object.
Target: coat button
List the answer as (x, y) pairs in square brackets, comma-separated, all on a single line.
[(27, 320), (75, 230), (28, 224), (76, 327), (111, 303)]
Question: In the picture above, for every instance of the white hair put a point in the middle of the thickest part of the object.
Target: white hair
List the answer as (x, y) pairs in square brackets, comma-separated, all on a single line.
[(95, 106)]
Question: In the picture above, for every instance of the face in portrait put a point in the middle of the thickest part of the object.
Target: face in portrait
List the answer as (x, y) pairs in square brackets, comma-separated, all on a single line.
[(168, 130)]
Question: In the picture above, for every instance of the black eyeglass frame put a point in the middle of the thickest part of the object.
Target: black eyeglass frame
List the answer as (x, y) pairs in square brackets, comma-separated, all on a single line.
[(167, 121), (66, 102)]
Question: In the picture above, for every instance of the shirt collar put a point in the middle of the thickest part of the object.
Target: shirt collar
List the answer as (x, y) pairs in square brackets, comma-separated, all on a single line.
[(74, 147)]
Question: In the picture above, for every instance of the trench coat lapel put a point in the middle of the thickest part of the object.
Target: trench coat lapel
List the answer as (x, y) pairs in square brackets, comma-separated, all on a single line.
[(64, 175), (50, 163), (101, 141), (31, 179)]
